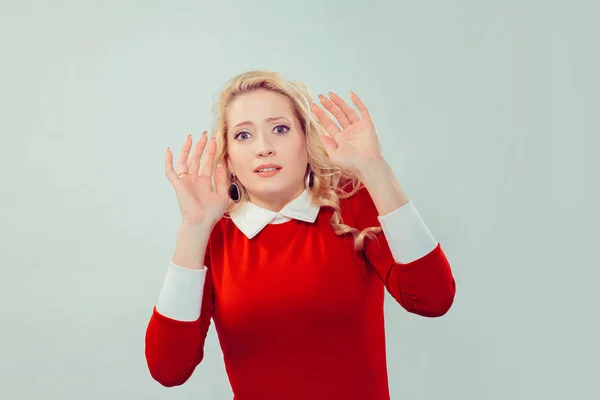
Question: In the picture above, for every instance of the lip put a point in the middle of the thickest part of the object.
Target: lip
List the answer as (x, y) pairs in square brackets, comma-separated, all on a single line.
[(267, 166)]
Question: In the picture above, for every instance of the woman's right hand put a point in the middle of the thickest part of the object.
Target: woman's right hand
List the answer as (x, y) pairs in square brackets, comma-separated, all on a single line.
[(200, 205)]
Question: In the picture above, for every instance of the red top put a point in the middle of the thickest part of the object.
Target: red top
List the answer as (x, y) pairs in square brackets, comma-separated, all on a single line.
[(298, 313)]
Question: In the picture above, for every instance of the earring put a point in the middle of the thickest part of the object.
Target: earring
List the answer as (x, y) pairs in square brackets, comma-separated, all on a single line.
[(234, 190), (310, 177)]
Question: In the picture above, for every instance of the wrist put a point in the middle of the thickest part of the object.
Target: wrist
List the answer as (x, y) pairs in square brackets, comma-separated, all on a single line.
[(191, 246), (373, 170), (194, 231), (379, 179)]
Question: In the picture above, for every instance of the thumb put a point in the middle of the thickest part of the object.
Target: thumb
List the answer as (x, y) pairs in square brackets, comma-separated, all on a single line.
[(221, 181), (329, 144)]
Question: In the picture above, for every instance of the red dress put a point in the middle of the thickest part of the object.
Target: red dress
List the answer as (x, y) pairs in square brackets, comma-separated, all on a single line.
[(298, 312)]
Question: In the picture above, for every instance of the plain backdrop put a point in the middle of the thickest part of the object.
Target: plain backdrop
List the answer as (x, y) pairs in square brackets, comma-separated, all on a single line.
[(488, 112)]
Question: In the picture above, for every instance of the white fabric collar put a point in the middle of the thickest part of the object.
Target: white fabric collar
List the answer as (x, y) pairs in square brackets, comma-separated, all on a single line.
[(251, 219)]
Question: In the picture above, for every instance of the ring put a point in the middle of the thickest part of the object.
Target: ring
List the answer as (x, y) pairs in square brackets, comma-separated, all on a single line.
[(182, 173)]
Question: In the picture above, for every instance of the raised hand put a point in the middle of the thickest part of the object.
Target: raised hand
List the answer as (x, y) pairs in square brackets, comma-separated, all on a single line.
[(201, 205), (354, 143)]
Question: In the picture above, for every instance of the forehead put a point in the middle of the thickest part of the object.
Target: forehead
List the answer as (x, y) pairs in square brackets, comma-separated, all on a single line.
[(258, 105)]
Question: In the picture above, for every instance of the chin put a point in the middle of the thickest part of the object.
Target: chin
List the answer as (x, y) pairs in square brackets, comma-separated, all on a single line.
[(275, 188), (270, 188)]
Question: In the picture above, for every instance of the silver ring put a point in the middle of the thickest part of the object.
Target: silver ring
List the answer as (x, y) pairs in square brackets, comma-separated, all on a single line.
[(182, 173)]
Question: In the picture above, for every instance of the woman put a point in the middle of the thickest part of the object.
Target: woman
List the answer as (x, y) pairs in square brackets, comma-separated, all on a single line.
[(291, 250)]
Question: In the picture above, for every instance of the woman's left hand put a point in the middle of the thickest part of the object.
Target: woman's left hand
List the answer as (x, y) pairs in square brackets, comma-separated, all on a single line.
[(356, 144)]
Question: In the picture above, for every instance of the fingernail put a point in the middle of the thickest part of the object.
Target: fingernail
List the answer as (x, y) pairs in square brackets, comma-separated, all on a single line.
[(189, 136)]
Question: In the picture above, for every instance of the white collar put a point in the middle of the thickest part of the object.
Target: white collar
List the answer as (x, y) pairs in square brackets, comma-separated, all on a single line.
[(251, 219)]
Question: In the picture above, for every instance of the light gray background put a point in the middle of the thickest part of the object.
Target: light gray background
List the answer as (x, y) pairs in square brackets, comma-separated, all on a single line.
[(487, 110)]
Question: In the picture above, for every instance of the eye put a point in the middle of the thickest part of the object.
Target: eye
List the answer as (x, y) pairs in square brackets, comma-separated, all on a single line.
[(279, 132), (240, 137)]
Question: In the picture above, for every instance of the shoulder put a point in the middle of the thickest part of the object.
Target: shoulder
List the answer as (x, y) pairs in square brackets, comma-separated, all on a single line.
[(360, 208), (359, 200), (216, 239)]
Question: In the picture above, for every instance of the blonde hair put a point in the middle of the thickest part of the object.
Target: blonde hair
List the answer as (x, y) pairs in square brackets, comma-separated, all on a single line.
[(329, 181)]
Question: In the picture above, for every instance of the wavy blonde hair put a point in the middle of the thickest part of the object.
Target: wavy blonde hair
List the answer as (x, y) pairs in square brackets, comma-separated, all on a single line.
[(329, 181)]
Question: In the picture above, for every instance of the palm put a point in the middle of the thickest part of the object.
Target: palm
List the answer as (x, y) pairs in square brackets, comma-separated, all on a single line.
[(200, 203), (356, 142), (197, 200)]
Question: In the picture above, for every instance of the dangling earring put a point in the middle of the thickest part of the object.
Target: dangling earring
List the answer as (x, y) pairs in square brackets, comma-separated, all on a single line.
[(310, 177), (234, 190)]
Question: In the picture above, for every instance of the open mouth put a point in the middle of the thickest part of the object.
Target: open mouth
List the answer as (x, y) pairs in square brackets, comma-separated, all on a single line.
[(267, 168)]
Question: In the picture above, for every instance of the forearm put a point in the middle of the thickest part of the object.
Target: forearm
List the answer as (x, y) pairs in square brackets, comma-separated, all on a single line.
[(191, 246), (183, 288), (379, 179), (425, 286), (174, 348)]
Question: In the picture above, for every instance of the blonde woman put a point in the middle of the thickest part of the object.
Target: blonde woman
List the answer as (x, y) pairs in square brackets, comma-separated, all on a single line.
[(290, 251)]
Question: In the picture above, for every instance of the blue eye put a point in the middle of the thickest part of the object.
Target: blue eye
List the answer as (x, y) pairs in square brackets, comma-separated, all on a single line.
[(282, 126), (276, 131), (237, 137)]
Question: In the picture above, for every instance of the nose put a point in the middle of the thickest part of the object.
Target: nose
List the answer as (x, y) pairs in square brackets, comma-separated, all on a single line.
[(264, 149), (265, 152)]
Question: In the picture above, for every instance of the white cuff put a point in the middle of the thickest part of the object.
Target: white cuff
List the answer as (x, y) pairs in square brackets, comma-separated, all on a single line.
[(407, 234), (181, 294)]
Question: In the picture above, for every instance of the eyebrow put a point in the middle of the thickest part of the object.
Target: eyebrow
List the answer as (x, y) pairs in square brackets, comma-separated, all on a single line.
[(266, 120)]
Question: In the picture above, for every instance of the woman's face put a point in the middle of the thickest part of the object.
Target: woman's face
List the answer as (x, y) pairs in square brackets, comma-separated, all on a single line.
[(266, 148)]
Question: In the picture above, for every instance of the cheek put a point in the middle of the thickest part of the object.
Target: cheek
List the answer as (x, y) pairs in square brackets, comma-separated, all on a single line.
[(237, 159), (296, 149), (301, 152), (296, 159)]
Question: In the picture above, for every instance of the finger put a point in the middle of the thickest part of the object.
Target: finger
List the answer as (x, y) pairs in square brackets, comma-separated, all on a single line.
[(221, 183), (349, 111), (169, 171), (335, 110), (209, 158), (194, 163), (183, 155), (364, 112), (327, 122)]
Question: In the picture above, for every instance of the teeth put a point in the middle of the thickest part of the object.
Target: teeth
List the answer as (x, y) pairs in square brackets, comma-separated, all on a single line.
[(266, 169)]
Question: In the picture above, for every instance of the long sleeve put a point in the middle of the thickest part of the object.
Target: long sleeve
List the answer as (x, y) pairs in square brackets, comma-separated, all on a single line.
[(181, 295), (179, 323), (407, 258)]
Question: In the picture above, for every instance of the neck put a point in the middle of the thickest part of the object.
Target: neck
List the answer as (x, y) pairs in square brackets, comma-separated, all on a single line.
[(275, 202)]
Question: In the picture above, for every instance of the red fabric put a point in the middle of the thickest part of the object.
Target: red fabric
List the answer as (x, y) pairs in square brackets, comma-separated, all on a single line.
[(299, 314)]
